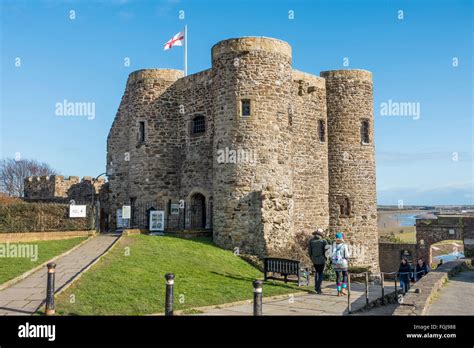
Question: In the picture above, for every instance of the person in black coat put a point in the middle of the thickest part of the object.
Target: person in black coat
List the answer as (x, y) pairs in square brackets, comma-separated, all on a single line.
[(404, 274), (317, 253), (421, 269)]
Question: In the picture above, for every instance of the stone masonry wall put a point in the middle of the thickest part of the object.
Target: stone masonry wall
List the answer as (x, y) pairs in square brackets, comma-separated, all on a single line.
[(352, 193), (258, 70), (57, 188), (391, 255), (309, 154)]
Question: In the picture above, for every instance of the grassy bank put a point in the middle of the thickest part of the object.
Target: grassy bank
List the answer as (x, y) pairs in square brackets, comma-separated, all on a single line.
[(11, 267), (130, 279)]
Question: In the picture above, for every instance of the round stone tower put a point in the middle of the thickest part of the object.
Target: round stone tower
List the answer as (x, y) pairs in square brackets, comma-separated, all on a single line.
[(152, 158), (252, 186), (352, 192), (138, 155)]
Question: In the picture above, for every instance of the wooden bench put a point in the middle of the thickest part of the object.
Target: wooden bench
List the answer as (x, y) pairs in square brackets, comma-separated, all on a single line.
[(285, 268)]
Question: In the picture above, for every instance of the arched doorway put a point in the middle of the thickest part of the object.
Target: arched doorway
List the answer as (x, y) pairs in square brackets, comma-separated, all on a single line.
[(453, 230), (198, 211), (446, 250)]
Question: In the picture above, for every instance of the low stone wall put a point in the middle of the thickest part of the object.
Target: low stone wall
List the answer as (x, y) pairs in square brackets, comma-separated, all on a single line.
[(417, 300), (390, 255), (38, 236), (131, 231)]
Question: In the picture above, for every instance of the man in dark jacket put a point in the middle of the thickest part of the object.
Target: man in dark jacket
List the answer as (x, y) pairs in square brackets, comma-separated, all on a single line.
[(404, 274), (317, 250), (421, 269)]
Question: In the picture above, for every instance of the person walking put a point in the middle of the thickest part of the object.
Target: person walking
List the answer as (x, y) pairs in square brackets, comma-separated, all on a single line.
[(317, 253), (404, 274), (340, 263), (421, 269)]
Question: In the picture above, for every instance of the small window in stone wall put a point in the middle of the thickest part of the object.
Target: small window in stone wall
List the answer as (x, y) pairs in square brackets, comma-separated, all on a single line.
[(345, 207), (245, 107), (199, 125), (141, 132), (365, 131), (322, 131)]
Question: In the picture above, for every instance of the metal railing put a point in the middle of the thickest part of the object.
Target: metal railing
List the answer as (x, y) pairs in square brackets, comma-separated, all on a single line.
[(382, 284)]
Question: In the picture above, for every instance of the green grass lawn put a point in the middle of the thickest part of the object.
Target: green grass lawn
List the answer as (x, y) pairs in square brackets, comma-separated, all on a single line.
[(11, 267), (407, 237), (135, 284), (405, 234)]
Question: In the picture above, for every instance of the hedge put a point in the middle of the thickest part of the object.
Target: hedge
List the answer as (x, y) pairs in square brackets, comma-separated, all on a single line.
[(38, 217)]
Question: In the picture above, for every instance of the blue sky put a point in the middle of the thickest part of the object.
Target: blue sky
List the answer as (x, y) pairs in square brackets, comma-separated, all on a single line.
[(420, 161)]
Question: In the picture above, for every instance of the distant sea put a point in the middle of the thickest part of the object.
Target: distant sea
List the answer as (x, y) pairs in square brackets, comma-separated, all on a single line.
[(405, 219), (450, 257)]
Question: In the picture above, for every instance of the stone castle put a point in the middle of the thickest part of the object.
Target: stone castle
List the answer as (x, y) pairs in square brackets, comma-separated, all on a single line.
[(257, 152)]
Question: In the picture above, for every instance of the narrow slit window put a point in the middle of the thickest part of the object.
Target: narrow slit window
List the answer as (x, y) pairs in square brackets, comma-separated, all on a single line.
[(245, 107), (345, 208), (322, 131), (199, 125), (141, 132), (365, 130)]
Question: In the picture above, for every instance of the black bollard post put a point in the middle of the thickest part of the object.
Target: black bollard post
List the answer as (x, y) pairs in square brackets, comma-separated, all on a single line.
[(383, 289), (367, 289), (257, 297), (169, 294), (50, 310)]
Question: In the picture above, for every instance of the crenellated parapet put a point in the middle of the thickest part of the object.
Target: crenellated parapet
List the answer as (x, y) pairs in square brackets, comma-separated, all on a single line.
[(57, 187)]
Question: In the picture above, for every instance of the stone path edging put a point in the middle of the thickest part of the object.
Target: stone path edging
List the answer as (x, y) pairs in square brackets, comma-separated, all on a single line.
[(28, 296), (77, 277), (36, 236), (417, 300), (33, 270)]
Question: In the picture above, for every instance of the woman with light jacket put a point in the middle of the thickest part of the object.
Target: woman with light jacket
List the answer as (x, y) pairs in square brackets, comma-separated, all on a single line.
[(340, 263)]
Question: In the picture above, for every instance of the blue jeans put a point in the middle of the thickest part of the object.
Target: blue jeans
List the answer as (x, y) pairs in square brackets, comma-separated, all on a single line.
[(405, 285)]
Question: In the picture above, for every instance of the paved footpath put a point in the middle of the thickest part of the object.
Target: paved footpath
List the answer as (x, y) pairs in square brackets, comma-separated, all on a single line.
[(27, 296), (327, 303), (456, 297)]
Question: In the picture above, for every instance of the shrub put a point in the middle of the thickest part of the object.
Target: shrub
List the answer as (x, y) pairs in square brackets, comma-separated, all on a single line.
[(31, 217)]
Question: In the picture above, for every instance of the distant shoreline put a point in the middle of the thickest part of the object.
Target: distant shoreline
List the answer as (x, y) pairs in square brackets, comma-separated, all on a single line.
[(386, 218)]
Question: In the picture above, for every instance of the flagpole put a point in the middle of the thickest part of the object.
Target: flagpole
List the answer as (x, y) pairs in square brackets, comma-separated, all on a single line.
[(185, 50)]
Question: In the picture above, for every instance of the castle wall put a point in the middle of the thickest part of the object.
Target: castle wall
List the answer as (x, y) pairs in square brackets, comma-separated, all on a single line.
[(194, 97), (145, 170), (309, 154), (392, 253), (152, 166), (84, 190), (253, 199), (39, 187), (117, 150), (352, 193), (57, 188)]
